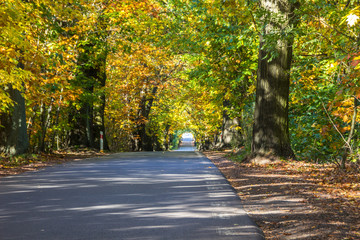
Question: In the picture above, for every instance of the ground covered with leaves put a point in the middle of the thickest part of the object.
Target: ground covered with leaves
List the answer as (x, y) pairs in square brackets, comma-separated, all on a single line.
[(32, 162), (296, 200)]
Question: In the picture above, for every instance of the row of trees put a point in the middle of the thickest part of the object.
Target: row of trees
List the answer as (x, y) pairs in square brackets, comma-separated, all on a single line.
[(275, 77)]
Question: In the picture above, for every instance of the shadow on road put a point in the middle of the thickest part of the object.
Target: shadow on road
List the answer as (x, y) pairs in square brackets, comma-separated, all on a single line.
[(124, 196)]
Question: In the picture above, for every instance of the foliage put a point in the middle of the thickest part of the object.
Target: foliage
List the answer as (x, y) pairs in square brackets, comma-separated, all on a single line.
[(156, 68), (326, 83)]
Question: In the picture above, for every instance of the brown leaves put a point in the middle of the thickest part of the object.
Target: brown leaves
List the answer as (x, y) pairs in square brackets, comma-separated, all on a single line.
[(32, 162), (297, 200)]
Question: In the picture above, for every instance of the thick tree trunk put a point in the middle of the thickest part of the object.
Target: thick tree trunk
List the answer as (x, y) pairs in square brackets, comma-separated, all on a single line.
[(271, 122), (142, 141), (231, 135), (13, 129), (147, 141)]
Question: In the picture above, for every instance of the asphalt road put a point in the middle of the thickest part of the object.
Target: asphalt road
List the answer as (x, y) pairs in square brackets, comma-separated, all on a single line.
[(127, 196), (187, 144)]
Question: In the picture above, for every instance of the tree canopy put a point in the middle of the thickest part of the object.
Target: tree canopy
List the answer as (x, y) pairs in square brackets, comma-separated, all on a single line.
[(145, 71)]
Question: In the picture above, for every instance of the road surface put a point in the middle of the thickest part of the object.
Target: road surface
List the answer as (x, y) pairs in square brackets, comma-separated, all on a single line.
[(187, 144), (127, 196)]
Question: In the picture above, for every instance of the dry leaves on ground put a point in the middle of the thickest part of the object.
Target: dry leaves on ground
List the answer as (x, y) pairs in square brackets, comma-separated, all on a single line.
[(32, 162), (296, 200)]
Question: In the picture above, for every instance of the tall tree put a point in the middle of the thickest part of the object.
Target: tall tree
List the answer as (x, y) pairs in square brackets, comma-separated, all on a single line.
[(15, 50), (88, 120), (13, 136), (271, 122)]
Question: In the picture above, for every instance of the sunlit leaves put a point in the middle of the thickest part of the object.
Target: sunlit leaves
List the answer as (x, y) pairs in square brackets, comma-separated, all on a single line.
[(325, 79)]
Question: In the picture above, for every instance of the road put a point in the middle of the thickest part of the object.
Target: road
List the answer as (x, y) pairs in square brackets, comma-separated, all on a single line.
[(187, 144), (127, 196)]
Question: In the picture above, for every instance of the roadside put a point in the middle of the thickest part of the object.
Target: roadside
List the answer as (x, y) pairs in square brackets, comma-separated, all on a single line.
[(33, 162), (296, 200)]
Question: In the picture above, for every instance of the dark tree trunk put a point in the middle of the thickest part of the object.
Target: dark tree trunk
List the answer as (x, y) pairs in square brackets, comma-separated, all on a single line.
[(101, 123), (147, 141), (142, 141), (271, 122), (167, 138), (13, 129)]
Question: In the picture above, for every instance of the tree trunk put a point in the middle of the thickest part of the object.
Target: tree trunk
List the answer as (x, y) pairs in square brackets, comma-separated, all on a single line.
[(45, 123), (13, 130), (56, 123), (147, 141), (100, 111), (348, 146), (88, 119), (102, 124), (167, 138), (271, 122), (230, 135), (142, 141)]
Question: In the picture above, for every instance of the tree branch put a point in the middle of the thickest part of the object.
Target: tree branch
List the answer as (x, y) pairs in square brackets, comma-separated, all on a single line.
[(332, 122)]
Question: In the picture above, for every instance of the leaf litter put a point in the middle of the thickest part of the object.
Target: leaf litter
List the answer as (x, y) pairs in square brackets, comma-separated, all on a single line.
[(296, 200)]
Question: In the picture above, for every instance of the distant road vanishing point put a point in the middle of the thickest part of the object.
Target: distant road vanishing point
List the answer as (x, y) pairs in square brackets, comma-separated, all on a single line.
[(187, 142)]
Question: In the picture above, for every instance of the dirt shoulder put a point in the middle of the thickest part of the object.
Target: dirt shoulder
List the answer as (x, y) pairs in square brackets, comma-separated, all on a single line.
[(296, 200)]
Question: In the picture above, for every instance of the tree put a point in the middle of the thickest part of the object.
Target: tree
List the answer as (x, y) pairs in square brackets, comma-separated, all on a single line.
[(271, 122), (88, 119), (13, 130), (13, 136), (325, 83)]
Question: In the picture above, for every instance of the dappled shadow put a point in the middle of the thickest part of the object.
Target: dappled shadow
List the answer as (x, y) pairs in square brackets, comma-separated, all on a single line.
[(141, 195)]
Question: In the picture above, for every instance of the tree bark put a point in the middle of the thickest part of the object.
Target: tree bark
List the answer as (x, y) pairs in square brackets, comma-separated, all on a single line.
[(45, 124), (271, 122), (230, 135), (13, 129), (142, 141)]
